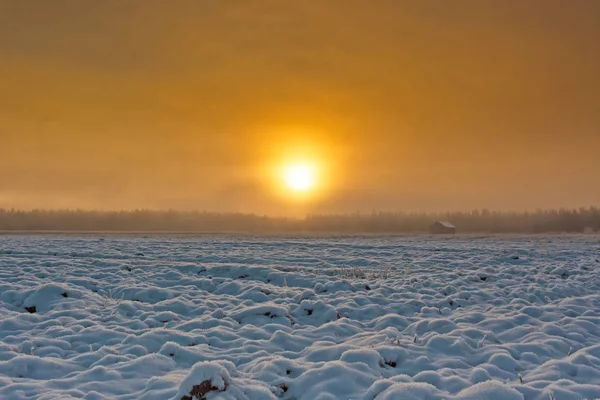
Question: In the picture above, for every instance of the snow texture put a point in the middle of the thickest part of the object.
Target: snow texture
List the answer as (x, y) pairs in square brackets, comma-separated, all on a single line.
[(218, 317)]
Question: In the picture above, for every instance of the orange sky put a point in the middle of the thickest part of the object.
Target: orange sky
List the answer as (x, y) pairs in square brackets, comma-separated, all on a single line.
[(410, 105)]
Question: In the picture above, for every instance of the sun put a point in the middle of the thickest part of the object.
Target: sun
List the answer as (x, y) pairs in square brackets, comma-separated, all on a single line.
[(299, 177)]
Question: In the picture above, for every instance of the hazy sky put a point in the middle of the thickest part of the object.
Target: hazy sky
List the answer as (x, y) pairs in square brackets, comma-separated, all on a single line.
[(414, 105)]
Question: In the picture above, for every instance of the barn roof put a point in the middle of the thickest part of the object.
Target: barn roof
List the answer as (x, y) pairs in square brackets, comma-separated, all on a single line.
[(445, 224)]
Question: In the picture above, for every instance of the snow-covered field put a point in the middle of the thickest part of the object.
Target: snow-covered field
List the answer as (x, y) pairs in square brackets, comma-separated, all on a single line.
[(461, 318)]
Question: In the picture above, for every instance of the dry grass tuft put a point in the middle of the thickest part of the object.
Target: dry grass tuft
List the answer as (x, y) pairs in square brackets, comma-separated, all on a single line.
[(200, 391)]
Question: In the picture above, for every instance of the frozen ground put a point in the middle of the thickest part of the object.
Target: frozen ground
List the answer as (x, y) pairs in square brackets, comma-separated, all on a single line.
[(465, 318)]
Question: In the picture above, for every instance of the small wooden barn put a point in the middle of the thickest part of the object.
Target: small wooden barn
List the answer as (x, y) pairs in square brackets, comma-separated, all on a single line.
[(442, 227)]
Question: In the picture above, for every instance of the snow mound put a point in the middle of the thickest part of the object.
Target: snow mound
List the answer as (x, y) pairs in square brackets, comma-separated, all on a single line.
[(204, 378), (490, 390), (208, 380), (45, 297)]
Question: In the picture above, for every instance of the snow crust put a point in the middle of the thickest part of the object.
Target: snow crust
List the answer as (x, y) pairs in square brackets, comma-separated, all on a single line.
[(159, 318)]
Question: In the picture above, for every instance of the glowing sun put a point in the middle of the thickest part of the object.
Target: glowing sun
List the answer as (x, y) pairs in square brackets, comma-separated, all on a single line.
[(300, 177)]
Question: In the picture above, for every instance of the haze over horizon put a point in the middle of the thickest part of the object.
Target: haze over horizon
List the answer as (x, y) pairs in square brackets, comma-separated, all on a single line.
[(391, 105)]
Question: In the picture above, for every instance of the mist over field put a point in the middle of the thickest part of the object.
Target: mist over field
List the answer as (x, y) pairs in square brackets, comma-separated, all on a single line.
[(478, 221)]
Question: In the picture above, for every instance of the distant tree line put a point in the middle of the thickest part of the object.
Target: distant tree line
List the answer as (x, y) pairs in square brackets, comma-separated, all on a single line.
[(477, 221)]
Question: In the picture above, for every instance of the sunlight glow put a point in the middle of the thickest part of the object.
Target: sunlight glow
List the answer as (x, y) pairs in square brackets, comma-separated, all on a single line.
[(299, 177)]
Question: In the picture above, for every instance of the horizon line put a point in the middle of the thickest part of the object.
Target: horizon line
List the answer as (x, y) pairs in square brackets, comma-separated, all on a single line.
[(329, 213)]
